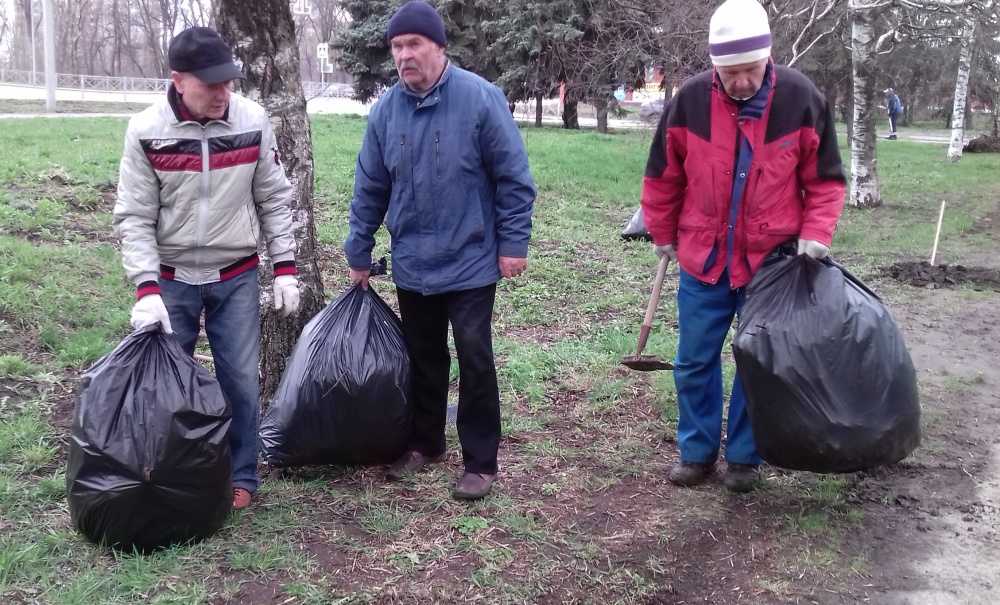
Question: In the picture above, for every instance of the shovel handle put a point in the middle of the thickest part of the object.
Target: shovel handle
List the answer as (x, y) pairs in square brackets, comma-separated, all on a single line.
[(661, 272)]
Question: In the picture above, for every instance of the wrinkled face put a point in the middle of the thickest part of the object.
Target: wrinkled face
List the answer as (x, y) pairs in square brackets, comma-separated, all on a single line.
[(742, 81), (419, 60), (203, 100)]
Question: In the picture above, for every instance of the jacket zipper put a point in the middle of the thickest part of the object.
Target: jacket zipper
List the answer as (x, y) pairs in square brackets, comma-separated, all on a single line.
[(437, 151), (203, 195), (402, 153)]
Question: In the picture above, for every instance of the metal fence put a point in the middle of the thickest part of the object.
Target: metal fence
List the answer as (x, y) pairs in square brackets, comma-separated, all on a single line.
[(125, 84)]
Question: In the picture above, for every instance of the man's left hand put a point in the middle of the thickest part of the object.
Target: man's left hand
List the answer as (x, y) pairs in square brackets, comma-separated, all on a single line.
[(512, 267), (286, 295), (813, 248)]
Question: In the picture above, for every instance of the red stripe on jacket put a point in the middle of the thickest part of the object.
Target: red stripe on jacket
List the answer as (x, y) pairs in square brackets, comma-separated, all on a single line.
[(236, 157), (175, 162)]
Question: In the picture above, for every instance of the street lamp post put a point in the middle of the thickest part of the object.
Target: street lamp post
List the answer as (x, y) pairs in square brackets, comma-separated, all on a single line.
[(31, 32)]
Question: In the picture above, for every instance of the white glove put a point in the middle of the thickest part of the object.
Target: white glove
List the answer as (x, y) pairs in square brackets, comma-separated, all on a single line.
[(669, 251), (286, 295), (813, 248), (150, 310)]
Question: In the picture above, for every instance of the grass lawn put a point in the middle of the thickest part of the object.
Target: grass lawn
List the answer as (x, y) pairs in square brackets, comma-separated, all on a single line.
[(581, 513)]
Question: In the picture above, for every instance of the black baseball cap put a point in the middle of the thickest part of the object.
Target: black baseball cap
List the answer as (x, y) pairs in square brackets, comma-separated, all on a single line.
[(201, 52)]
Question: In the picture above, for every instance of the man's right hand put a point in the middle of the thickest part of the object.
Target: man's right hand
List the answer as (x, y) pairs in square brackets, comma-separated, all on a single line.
[(670, 251), (150, 310), (359, 276)]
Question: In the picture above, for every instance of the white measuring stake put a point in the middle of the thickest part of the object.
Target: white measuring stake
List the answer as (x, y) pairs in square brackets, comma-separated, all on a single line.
[(937, 234)]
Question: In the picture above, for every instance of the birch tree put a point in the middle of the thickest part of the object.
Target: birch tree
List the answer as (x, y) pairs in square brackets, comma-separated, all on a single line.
[(864, 190), (962, 86), (263, 34)]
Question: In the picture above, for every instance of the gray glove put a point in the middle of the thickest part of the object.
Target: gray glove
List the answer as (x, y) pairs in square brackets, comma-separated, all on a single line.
[(813, 248), (670, 251)]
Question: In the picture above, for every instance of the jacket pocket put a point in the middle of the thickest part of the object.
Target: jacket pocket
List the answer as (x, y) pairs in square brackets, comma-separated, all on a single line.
[(460, 221), (457, 152), (251, 225)]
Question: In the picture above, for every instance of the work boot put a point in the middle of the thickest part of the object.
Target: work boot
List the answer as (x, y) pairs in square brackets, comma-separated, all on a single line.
[(741, 478), (891, 137), (690, 474), (409, 463), (241, 498), (473, 486)]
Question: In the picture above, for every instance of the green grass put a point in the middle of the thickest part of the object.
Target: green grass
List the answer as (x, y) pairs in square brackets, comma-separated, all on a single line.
[(914, 179), (581, 511)]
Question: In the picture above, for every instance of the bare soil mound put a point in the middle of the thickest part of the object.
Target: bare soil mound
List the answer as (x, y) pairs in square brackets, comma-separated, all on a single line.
[(942, 276), (983, 144)]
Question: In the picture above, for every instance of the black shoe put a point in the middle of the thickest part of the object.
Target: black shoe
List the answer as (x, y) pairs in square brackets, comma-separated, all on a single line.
[(473, 486), (689, 474), (409, 463), (741, 478)]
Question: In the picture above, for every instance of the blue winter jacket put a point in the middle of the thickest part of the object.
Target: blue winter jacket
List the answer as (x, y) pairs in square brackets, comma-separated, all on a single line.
[(449, 175), (895, 107)]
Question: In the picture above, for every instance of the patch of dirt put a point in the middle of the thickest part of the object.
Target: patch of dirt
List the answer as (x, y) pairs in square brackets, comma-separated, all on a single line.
[(933, 528), (983, 144), (922, 273)]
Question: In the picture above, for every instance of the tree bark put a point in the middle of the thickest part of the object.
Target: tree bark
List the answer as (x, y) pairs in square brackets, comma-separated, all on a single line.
[(263, 34), (864, 164), (538, 110), (961, 89), (602, 115), (571, 118)]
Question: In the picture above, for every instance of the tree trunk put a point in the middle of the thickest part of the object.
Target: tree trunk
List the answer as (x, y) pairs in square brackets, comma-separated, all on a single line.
[(263, 34), (601, 105), (571, 119), (864, 164), (538, 110), (961, 89)]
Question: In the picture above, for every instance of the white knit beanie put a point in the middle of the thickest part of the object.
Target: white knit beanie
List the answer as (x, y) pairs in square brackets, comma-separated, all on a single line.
[(739, 33)]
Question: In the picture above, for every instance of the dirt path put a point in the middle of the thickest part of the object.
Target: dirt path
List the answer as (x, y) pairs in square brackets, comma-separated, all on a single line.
[(934, 522)]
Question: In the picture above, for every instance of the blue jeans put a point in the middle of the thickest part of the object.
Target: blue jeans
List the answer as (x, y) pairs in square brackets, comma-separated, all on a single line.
[(232, 323), (705, 314)]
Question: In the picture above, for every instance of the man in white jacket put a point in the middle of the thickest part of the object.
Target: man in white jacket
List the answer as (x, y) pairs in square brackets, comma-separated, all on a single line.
[(200, 185)]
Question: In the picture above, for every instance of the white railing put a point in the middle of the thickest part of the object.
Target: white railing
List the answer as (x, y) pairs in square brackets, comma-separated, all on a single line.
[(127, 84)]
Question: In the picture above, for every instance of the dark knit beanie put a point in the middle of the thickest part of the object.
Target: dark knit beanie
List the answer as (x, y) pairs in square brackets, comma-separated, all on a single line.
[(417, 17)]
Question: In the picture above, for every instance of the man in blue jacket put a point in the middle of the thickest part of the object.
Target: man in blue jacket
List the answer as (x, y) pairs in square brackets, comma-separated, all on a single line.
[(895, 109), (443, 164)]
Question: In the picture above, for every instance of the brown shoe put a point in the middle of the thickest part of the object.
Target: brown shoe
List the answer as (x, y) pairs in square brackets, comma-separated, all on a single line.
[(689, 474), (409, 463), (241, 498), (473, 486)]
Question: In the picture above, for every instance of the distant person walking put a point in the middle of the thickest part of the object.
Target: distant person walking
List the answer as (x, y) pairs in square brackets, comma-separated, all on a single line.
[(895, 109)]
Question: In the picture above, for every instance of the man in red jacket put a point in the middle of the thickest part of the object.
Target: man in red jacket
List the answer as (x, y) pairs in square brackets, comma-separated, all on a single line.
[(764, 170)]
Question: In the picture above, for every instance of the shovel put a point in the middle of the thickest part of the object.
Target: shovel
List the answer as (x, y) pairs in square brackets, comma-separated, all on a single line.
[(649, 363)]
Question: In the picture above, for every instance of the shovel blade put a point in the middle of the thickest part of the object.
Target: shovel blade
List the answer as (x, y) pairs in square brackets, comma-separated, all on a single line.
[(646, 363)]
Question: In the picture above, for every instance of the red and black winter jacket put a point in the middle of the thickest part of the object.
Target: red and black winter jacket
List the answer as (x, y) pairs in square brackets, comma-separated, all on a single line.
[(794, 188)]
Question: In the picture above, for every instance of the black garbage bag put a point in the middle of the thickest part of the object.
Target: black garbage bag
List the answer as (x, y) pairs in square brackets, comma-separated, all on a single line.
[(344, 397), (636, 228), (829, 384), (149, 462)]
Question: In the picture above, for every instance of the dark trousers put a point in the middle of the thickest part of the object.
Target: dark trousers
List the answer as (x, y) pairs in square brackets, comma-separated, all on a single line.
[(892, 122), (425, 328)]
